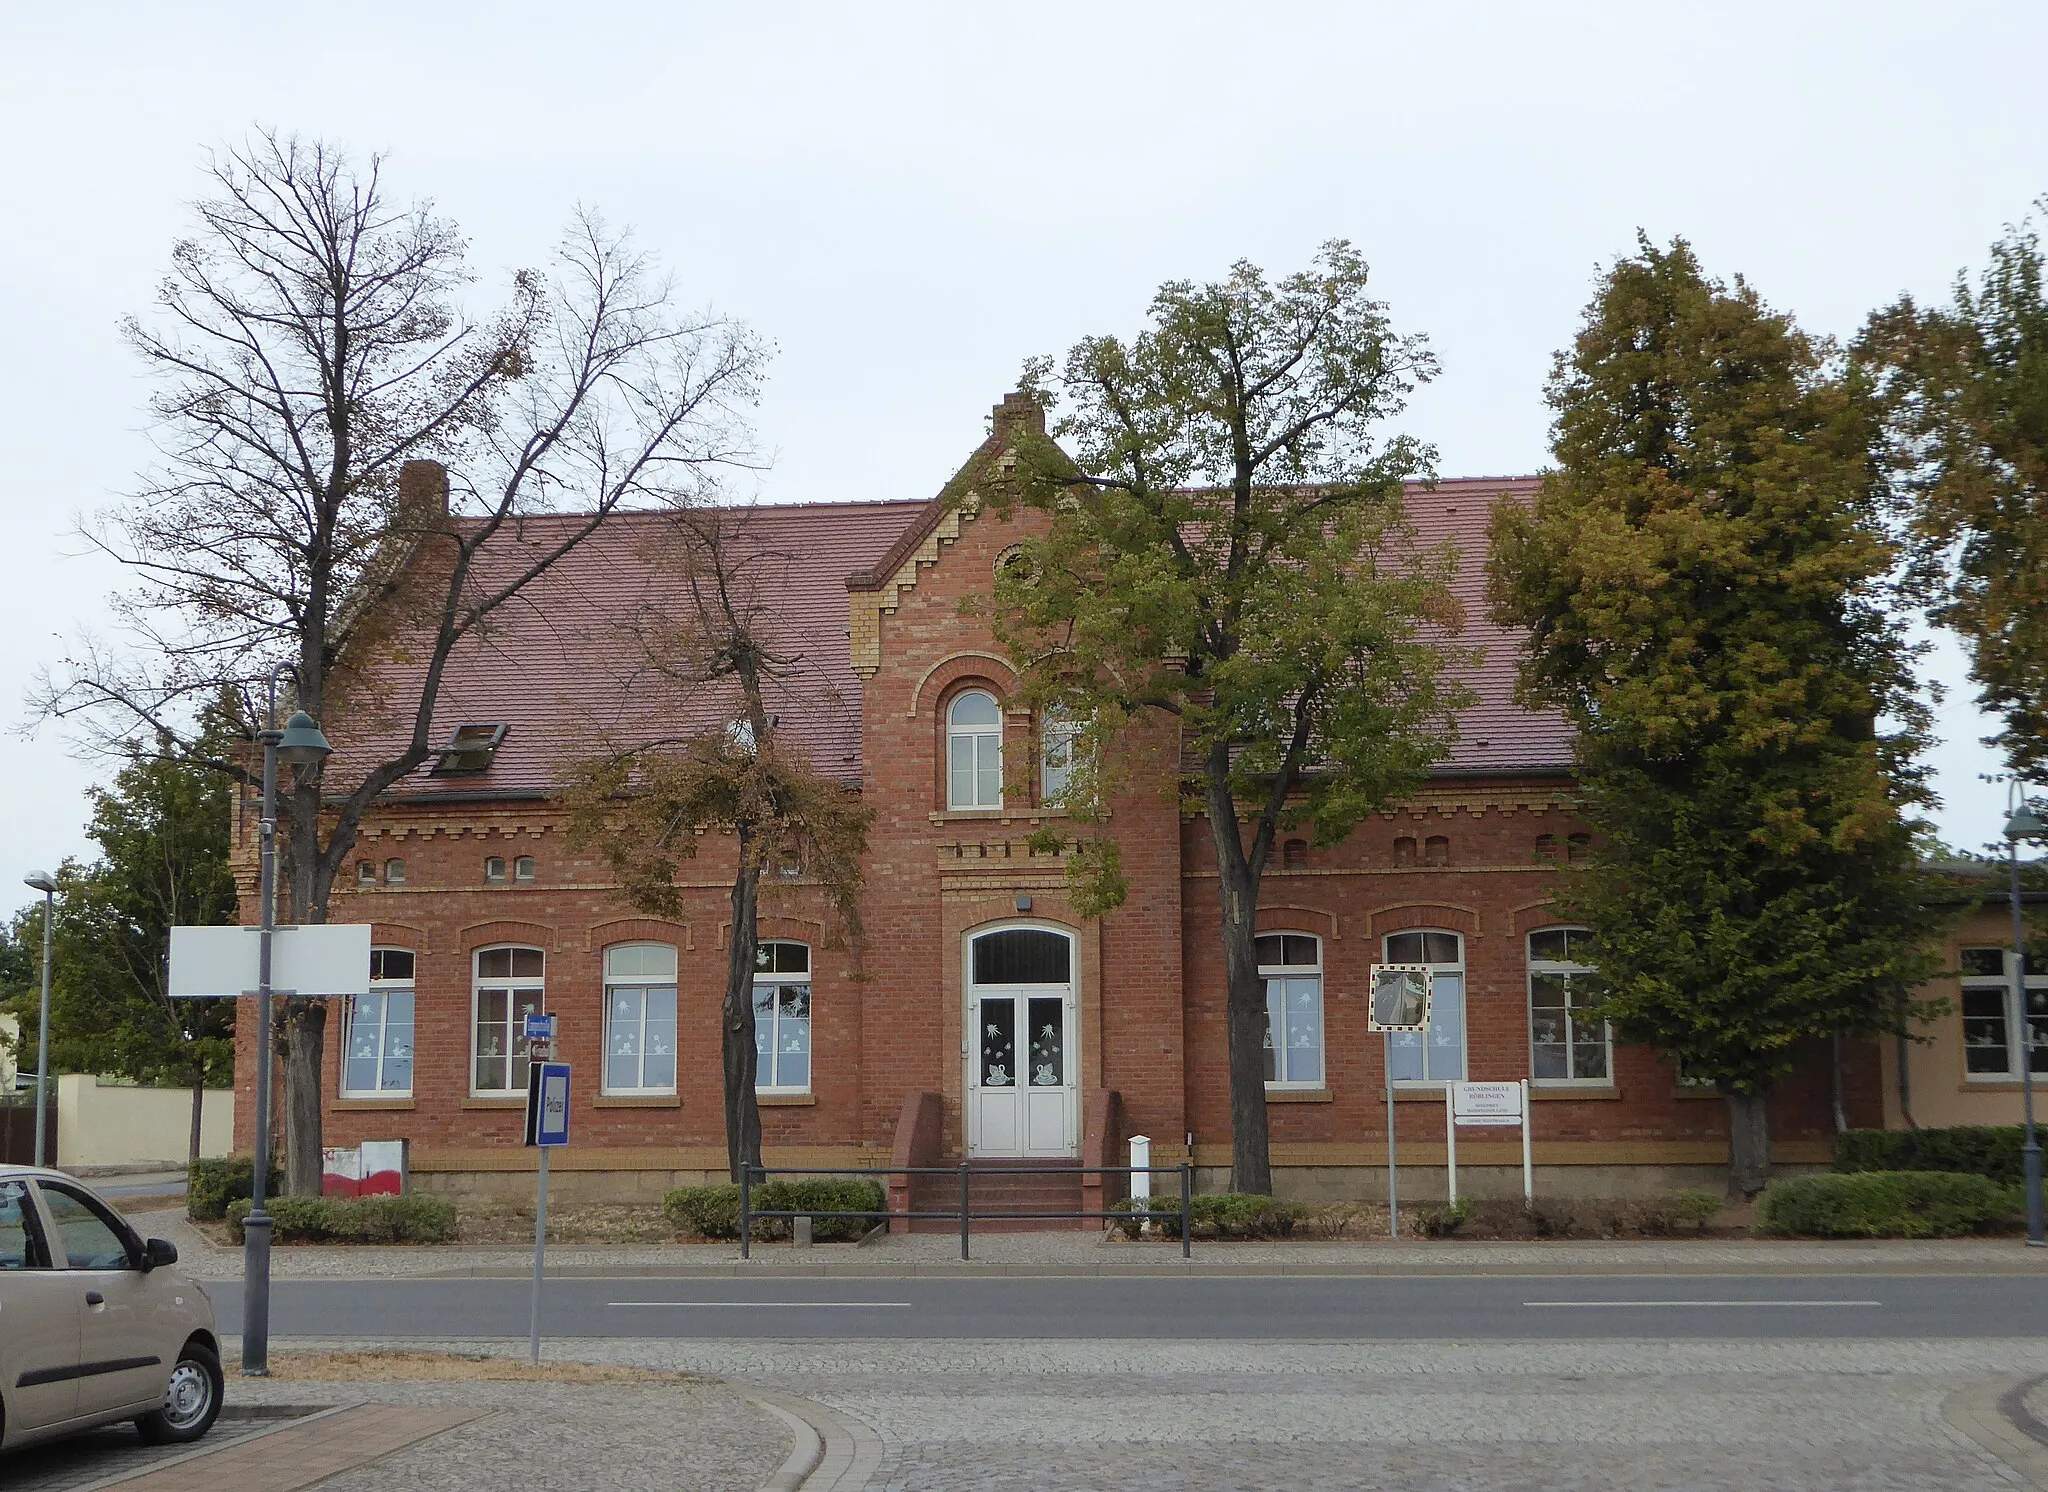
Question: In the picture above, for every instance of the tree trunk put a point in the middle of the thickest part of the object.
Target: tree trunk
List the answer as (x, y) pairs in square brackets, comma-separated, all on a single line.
[(305, 1025), (742, 1113), (198, 1116), (1251, 1167), (1906, 1080), (1749, 1143), (1835, 1080)]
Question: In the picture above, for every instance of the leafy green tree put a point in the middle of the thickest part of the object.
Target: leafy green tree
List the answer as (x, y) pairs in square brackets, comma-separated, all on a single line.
[(1231, 554), (1701, 579), (1963, 391), (163, 832)]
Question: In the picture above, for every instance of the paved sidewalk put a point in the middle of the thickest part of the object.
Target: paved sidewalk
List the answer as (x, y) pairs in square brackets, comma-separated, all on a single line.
[(1087, 1253)]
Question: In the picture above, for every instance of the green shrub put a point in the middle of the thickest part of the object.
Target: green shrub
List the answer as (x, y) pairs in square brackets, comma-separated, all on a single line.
[(1228, 1215), (714, 1211), (413, 1218), (1970, 1149), (1441, 1219), (211, 1184), (1884, 1204)]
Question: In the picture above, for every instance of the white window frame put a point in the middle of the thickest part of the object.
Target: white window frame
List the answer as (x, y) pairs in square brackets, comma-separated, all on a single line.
[(979, 741), (647, 984), (764, 1082), (515, 985), (1437, 971), (353, 1015), (1568, 970), (1058, 739), (1284, 1078), (2031, 985)]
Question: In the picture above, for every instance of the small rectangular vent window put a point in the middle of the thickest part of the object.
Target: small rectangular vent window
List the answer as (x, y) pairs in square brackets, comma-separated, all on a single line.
[(469, 750)]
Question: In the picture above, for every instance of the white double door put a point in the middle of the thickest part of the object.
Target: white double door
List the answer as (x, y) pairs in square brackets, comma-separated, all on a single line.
[(1023, 1100)]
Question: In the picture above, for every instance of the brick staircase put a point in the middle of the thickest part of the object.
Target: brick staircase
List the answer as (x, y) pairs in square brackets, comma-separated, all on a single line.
[(997, 1186)]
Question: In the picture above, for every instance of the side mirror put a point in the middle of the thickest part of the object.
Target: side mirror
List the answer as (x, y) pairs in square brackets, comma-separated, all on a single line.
[(158, 1251)]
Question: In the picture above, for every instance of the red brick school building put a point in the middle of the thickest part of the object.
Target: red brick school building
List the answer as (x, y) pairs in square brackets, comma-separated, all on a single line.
[(981, 1018)]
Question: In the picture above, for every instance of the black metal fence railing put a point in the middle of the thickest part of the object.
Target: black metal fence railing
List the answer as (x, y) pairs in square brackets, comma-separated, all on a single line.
[(965, 1213)]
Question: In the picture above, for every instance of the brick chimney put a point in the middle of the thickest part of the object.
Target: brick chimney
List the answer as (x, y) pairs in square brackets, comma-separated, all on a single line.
[(423, 491), (1019, 413)]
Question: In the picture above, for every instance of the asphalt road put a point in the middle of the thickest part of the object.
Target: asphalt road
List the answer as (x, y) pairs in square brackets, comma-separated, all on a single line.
[(1464, 1308)]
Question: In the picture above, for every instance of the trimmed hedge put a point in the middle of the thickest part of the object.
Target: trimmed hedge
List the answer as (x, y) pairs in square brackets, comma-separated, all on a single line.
[(211, 1184), (714, 1211), (1968, 1149), (1885, 1204), (412, 1218), (1221, 1215)]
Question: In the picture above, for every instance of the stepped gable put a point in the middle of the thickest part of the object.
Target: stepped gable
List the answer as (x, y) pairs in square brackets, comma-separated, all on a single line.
[(549, 664)]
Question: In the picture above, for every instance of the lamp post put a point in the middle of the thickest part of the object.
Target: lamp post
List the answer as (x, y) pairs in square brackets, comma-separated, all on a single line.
[(46, 883), (298, 744), (2025, 824)]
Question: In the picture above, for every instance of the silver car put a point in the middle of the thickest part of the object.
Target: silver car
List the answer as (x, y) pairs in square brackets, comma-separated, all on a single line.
[(96, 1325)]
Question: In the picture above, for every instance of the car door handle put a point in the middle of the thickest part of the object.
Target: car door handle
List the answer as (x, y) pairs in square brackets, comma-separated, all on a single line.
[(93, 1297)]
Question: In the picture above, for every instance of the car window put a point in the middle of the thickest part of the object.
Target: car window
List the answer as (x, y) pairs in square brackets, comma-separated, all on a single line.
[(21, 1244), (86, 1236)]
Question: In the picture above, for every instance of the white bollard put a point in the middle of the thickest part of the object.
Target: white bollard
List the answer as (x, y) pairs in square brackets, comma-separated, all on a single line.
[(1141, 1155)]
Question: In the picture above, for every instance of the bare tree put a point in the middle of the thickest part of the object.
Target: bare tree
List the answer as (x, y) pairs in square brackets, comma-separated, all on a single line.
[(311, 341), (712, 643)]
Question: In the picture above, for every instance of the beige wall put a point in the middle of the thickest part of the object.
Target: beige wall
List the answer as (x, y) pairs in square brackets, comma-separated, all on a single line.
[(108, 1125), (10, 1032), (1942, 1093)]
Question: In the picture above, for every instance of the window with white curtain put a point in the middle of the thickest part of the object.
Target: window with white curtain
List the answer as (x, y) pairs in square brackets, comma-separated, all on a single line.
[(1438, 1054), (508, 987), (782, 1017), (640, 1018), (1292, 966), (377, 1046)]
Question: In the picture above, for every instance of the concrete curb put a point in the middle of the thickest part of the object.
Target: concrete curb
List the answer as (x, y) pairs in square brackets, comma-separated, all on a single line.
[(834, 1452)]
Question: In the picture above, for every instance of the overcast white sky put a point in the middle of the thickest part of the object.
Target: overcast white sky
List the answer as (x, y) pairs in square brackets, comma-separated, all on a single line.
[(909, 200)]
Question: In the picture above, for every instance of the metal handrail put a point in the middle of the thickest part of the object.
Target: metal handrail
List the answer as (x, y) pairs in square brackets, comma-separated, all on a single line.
[(965, 1212)]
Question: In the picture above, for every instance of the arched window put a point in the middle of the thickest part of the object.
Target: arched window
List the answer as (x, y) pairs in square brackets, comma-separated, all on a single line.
[(640, 1018), (1292, 966), (1579, 848), (1438, 1055), (394, 872), (1294, 855), (782, 1018), (1565, 1045), (974, 751), (507, 987), (377, 1046), (1436, 850), (1404, 851)]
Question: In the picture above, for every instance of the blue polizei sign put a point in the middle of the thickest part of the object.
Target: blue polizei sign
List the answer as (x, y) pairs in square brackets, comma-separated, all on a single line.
[(547, 1104)]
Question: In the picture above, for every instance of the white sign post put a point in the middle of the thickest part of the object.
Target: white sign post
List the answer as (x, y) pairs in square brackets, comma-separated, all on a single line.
[(1488, 1106), (1400, 1004)]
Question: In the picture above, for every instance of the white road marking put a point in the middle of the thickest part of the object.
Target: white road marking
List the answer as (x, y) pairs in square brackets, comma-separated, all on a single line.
[(1661, 1304), (784, 1305)]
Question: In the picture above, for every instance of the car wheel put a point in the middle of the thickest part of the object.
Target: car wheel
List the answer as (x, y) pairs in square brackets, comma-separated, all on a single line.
[(191, 1402)]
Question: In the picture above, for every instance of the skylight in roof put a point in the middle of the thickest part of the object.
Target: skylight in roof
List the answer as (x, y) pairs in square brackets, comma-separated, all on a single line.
[(469, 751)]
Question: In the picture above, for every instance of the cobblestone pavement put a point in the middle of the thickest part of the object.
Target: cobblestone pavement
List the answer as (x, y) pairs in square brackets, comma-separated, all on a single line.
[(1086, 1252), (542, 1437), (1575, 1417)]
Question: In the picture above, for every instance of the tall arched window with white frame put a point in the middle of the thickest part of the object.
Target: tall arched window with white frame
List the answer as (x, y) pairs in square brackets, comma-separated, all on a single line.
[(1437, 1055), (508, 987), (1292, 966), (974, 751), (640, 1019), (782, 1017), (1566, 1045), (377, 1047), (1057, 734)]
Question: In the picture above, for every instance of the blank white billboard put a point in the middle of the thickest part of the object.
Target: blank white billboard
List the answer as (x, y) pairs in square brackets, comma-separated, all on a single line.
[(331, 958)]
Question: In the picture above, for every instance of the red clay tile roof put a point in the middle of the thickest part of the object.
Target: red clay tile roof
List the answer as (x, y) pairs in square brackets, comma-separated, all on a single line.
[(548, 666)]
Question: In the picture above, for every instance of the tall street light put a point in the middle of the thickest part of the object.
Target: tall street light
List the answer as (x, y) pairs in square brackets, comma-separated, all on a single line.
[(299, 744), (46, 883), (2025, 824)]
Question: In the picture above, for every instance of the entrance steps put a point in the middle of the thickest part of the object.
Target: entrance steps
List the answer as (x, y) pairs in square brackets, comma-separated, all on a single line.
[(999, 1186)]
